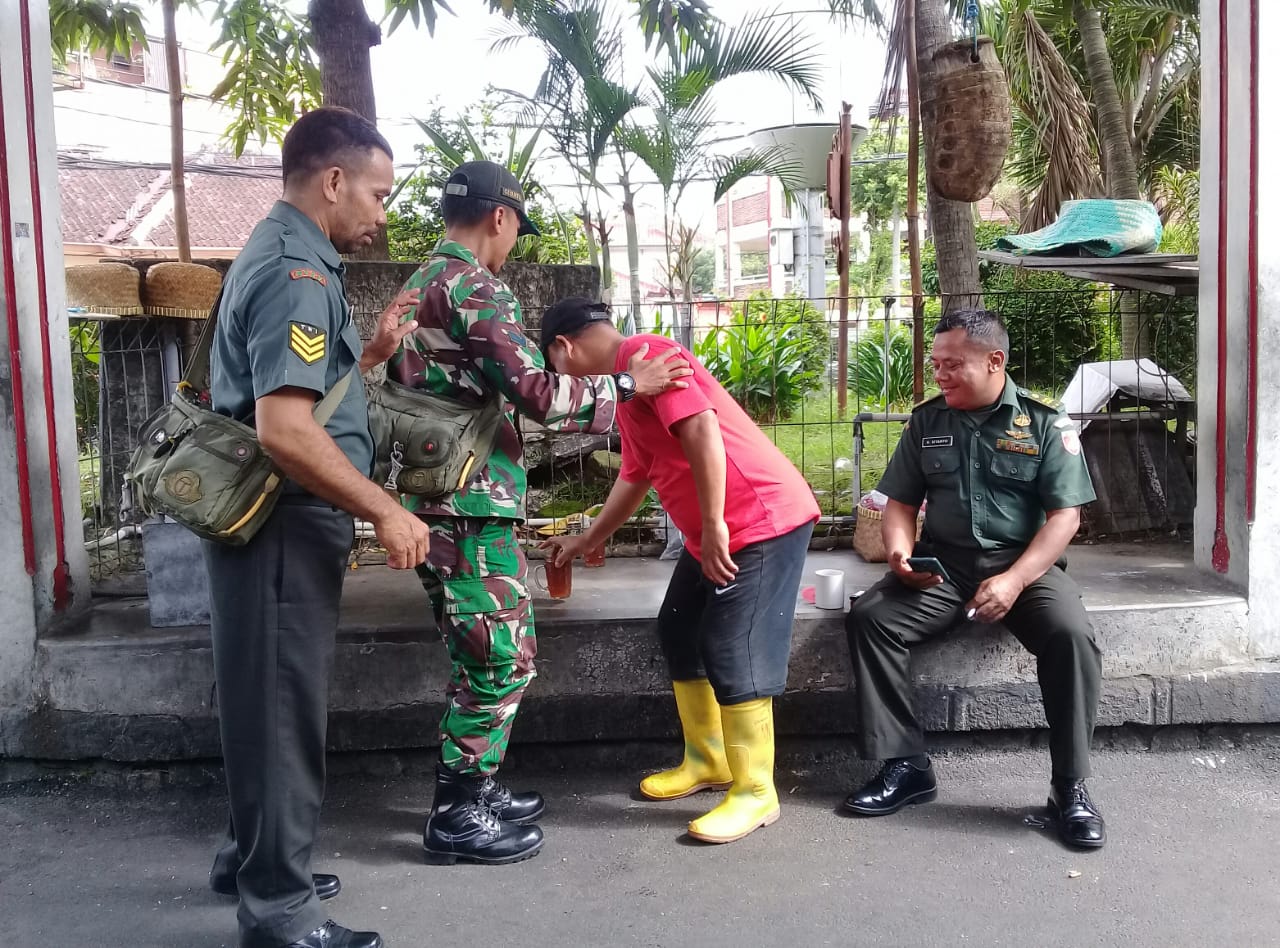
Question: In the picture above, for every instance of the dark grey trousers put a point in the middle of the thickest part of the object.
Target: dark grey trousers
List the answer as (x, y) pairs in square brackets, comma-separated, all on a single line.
[(274, 618), (737, 636), (1048, 619)]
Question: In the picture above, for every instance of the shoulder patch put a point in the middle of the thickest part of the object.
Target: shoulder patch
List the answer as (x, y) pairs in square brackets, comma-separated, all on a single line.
[(306, 273), (1038, 401), (306, 342)]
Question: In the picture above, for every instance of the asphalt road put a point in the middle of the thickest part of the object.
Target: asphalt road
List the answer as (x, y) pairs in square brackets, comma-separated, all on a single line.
[(1193, 859)]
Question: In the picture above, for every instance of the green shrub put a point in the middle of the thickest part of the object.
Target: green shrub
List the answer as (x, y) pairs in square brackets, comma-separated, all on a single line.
[(761, 363), (868, 372)]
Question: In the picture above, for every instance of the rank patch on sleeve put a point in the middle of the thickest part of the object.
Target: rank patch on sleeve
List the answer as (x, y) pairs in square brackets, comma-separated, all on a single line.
[(306, 342), (306, 273)]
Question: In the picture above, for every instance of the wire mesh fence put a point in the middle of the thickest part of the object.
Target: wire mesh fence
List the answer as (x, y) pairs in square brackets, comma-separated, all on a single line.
[(1129, 358)]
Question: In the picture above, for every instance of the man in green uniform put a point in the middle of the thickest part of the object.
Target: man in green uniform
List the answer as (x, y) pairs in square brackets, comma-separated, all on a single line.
[(470, 344), (1004, 478), (284, 338)]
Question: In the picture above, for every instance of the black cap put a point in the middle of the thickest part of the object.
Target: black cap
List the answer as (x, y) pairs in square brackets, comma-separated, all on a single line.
[(490, 182), (570, 315)]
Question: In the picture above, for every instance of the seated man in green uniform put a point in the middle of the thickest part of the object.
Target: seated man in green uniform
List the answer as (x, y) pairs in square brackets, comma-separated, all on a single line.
[(470, 345), (1004, 478)]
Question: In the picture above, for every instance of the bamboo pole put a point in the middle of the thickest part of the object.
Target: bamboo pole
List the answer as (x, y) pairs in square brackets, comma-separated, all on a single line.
[(913, 205), (177, 159), (844, 149)]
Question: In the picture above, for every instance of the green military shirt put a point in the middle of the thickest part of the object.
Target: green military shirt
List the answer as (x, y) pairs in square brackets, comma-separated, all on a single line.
[(284, 321), (988, 482)]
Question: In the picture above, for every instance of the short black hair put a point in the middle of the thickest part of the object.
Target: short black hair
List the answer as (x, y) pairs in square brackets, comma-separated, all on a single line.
[(461, 211), (328, 136), (980, 325)]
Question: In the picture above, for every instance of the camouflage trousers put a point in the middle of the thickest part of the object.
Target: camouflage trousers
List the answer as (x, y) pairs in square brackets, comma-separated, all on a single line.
[(475, 577)]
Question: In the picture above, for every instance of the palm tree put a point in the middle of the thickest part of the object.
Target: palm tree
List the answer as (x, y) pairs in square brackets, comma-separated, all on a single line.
[(677, 144)]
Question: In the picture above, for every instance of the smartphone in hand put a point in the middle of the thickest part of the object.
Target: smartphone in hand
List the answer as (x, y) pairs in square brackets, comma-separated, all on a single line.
[(928, 564)]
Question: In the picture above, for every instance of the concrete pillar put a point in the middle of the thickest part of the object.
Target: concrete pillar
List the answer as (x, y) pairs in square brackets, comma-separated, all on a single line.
[(43, 568), (1237, 528)]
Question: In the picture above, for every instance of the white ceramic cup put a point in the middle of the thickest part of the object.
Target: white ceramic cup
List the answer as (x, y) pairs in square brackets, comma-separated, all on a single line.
[(828, 592)]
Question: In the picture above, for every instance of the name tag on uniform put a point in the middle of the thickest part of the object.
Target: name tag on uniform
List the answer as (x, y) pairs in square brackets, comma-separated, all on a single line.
[(937, 441), (1017, 447)]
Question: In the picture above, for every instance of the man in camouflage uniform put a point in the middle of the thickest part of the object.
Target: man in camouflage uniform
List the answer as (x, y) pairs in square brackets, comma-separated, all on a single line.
[(470, 345)]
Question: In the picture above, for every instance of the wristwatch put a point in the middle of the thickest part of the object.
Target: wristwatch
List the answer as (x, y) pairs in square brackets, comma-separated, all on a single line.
[(626, 386)]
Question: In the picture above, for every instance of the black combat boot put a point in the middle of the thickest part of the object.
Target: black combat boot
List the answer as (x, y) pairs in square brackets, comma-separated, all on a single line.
[(518, 808), (461, 826)]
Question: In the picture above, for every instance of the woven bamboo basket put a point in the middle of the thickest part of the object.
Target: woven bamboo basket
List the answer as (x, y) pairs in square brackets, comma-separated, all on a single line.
[(867, 541), (184, 290), (110, 289), (969, 124)]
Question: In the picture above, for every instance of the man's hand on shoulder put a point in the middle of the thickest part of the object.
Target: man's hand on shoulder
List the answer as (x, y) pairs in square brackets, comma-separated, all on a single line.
[(391, 329), (662, 373)]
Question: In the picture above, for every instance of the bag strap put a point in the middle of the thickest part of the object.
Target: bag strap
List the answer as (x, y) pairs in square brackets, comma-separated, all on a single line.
[(197, 374), (329, 404)]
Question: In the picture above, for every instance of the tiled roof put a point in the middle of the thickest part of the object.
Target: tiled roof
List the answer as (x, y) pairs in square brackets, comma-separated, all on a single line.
[(108, 203)]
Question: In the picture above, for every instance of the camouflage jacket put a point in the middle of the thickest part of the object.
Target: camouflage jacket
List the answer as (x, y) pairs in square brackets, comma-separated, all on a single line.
[(470, 344)]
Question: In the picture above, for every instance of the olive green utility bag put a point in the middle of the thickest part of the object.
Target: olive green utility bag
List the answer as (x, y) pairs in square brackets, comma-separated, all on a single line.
[(206, 471), (426, 444)]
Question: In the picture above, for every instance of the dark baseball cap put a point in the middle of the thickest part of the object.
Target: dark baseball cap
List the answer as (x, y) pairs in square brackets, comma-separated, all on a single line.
[(490, 182), (569, 316)]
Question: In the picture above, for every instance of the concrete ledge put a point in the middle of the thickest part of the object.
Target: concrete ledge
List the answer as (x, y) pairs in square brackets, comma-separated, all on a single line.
[(117, 689)]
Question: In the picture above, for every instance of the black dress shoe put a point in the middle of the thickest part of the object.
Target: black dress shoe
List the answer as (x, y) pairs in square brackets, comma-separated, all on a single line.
[(461, 826), (898, 784), (333, 935), (327, 886), (518, 808), (1079, 822)]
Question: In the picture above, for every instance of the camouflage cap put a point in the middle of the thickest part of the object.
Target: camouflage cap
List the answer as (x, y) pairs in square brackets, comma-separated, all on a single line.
[(489, 181)]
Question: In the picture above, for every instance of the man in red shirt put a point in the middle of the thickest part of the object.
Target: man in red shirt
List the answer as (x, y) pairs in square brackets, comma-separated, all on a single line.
[(746, 515)]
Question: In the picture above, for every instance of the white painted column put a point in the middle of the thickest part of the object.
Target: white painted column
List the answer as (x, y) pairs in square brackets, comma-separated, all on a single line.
[(1264, 541), (43, 571)]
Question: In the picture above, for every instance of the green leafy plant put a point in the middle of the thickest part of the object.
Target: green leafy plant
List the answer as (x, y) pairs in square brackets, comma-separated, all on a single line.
[(869, 373), (761, 363)]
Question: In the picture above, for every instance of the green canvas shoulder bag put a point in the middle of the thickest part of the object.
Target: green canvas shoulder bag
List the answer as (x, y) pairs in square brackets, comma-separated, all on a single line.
[(426, 444), (205, 470)]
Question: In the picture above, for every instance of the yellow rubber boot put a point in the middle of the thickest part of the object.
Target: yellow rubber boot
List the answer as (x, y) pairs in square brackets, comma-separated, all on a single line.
[(752, 801), (704, 766)]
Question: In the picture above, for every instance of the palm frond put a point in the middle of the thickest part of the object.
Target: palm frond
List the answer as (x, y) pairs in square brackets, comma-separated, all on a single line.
[(774, 161)]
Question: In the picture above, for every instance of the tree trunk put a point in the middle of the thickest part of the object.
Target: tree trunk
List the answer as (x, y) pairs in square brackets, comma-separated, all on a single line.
[(177, 157), (1121, 172), (951, 222), (588, 228), (633, 244), (606, 265), (342, 35)]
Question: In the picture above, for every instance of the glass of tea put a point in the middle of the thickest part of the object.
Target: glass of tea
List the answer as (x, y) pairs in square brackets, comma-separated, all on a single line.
[(555, 581), (595, 556)]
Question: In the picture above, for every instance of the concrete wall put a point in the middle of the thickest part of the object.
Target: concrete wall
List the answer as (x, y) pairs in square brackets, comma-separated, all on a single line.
[(37, 581), (1237, 210), (1264, 542)]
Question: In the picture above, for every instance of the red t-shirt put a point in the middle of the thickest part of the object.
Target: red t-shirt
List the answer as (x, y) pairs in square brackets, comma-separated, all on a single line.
[(765, 496)]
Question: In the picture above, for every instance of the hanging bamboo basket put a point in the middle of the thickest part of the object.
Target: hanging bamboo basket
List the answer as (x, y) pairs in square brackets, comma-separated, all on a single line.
[(184, 290), (968, 121), (107, 289)]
